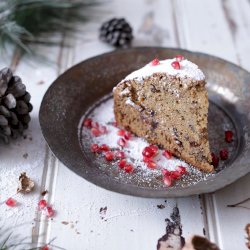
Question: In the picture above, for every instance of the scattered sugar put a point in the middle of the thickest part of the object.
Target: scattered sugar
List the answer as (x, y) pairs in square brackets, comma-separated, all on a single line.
[(142, 176), (188, 69)]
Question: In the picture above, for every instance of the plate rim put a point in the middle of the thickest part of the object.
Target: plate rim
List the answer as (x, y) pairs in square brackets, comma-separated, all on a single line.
[(145, 191)]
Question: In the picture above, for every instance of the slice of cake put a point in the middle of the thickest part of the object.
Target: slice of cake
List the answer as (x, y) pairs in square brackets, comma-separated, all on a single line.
[(166, 103)]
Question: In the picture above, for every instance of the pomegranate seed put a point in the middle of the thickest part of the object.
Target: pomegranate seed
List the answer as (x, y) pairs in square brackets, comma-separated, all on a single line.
[(167, 154), (49, 211), (104, 147), (87, 123), (182, 170), (11, 202), (109, 156), (154, 148), (165, 172), (155, 62), (127, 135), (122, 163), (45, 248), (42, 204), (115, 124), (151, 165), (224, 154), (95, 132), (121, 142), (179, 58), (167, 180), (119, 154), (95, 125), (176, 65), (147, 159), (103, 129), (94, 148), (128, 168), (121, 132), (215, 160), (148, 152), (175, 175), (228, 136)]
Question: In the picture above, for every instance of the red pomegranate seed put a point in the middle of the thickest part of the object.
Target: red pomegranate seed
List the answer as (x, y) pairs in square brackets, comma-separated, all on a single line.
[(121, 142), (165, 172), (147, 159), (122, 163), (182, 170), (42, 204), (167, 180), (103, 129), (121, 132), (155, 62), (151, 165), (119, 154), (215, 160), (95, 125), (95, 132), (148, 152), (179, 58), (11, 202), (176, 65), (109, 156), (128, 168), (115, 124), (224, 154), (45, 248), (175, 175), (94, 148), (127, 135), (228, 136), (49, 211), (104, 147), (167, 154), (87, 123), (154, 148)]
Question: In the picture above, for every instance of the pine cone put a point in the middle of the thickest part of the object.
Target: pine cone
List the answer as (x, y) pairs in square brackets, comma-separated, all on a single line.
[(116, 32), (14, 105)]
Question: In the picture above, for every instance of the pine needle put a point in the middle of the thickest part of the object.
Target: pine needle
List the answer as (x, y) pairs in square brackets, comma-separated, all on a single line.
[(26, 22)]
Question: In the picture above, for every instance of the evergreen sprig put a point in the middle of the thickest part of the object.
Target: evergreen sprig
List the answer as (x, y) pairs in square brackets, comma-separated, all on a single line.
[(25, 22)]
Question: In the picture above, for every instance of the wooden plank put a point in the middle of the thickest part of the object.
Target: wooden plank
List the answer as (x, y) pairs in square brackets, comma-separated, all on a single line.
[(223, 34), (128, 221), (26, 155)]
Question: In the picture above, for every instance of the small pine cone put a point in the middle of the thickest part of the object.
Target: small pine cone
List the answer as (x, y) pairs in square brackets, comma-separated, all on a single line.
[(15, 105), (116, 32)]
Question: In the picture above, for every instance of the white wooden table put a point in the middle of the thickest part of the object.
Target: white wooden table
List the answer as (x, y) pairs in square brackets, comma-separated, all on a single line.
[(217, 27)]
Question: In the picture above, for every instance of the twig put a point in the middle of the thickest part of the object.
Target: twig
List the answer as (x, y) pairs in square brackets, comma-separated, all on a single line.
[(240, 203)]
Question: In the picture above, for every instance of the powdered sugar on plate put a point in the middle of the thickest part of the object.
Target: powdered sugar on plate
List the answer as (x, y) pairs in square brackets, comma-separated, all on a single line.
[(142, 175)]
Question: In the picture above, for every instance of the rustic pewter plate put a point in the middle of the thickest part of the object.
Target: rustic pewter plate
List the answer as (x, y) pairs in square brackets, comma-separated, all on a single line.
[(81, 89)]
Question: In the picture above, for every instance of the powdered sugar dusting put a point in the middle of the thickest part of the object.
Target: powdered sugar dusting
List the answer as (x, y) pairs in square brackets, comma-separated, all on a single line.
[(187, 69), (142, 175)]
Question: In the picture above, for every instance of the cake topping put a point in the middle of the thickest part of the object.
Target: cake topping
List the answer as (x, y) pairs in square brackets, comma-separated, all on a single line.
[(179, 58), (155, 62), (176, 65), (169, 66)]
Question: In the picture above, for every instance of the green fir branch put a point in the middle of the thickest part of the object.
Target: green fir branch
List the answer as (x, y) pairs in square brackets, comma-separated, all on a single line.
[(26, 22)]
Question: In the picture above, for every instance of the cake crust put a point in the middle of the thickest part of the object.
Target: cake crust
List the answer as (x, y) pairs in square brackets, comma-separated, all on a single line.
[(167, 110)]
